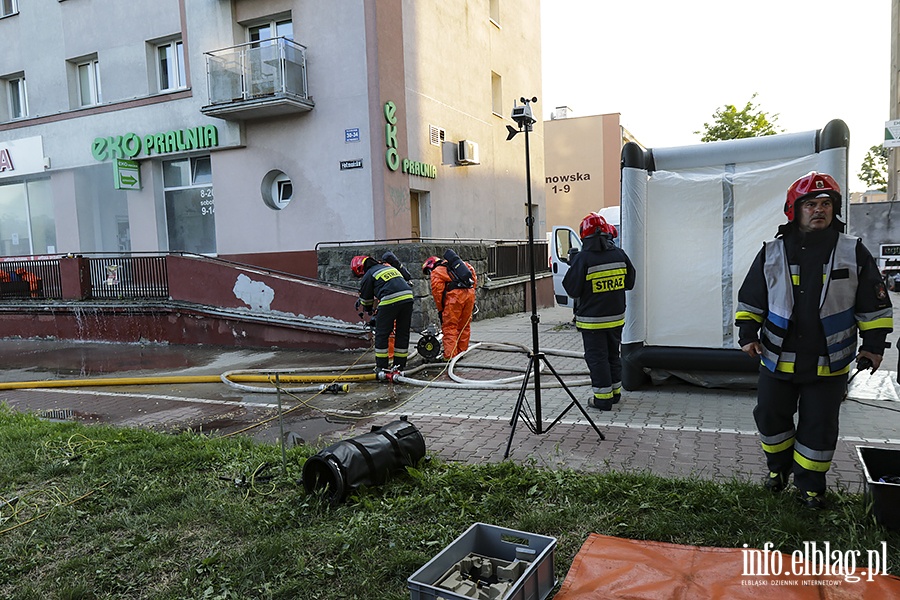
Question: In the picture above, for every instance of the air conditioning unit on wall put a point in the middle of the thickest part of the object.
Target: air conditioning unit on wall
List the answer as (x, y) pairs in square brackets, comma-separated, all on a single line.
[(467, 153)]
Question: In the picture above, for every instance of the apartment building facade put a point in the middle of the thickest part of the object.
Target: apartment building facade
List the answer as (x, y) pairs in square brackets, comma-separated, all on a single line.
[(582, 165), (241, 128)]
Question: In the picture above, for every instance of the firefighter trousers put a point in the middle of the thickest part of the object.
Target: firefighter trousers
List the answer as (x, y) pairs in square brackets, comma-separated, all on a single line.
[(601, 353), (396, 318), (807, 448)]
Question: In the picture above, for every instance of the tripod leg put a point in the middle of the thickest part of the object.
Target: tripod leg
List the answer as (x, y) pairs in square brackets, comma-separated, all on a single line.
[(518, 410), (574, 402)]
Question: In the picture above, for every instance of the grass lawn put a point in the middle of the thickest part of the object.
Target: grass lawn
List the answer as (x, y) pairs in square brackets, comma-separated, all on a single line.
[(99, 512)]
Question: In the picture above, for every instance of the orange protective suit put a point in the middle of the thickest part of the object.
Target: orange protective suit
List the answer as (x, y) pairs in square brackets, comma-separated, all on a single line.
[(455, 306), (32, 279)]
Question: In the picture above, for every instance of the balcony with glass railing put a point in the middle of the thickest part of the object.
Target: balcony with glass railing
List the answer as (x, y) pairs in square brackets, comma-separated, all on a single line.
[(257, 80)]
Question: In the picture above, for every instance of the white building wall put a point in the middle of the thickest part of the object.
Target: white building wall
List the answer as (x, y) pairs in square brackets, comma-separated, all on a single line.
[(328, 204)]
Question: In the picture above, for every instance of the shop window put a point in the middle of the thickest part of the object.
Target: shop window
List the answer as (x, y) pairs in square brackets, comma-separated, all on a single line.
[(190, 205), (28, 226), (170, 66)]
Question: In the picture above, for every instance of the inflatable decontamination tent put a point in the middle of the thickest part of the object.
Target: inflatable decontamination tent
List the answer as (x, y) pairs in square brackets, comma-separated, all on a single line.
[(695, 217)]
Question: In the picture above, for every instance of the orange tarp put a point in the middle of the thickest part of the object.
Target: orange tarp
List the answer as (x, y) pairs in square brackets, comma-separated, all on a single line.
[(611, 568)]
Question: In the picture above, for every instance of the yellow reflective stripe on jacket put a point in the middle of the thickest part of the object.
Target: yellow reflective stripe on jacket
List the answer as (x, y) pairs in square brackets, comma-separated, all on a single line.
[(397, 297), (584, 322), (883, 320), (388, 273), (607, 280), (743, 315)]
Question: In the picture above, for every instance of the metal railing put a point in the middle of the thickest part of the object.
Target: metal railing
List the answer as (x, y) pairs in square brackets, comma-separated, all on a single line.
[(505, 258), (512, 259), (253, 70), (26, 278), (122, 276)]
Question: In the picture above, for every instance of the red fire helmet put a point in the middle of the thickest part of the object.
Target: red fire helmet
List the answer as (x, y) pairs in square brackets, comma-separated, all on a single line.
[(594, 223), (358, 265), (811, 185), (429, 264)]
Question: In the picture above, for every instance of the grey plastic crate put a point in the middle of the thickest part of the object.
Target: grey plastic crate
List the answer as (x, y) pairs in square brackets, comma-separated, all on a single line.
[(536, 582), (882, 498)]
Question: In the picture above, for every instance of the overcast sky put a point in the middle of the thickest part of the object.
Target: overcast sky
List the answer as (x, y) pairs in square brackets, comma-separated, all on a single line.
[(666, 66)]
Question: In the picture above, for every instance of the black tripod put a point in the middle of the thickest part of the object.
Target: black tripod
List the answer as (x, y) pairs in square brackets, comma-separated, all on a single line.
[(524, 117)]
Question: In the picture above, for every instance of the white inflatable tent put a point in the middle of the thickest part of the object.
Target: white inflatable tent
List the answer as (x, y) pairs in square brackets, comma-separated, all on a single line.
[(694, 218)]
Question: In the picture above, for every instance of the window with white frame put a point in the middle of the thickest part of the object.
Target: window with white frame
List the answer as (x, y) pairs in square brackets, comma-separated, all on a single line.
[(18, 98), (272, 29), (170, 64), (8, 7), (496, 94), (89, 82)]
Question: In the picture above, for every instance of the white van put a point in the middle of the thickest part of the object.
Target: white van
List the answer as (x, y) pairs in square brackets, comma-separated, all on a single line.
[(562, 240)]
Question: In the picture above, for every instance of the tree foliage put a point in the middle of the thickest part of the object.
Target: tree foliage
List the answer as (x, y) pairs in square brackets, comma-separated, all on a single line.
[(729, 123), (874, 168)]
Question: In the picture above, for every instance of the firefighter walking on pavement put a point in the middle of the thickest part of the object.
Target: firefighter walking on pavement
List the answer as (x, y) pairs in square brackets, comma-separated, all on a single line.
[(597, 279), (386, 284), (453, 284), (807, 296)]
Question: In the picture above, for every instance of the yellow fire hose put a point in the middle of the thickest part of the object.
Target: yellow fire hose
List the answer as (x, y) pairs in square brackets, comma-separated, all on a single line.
[(284, 378)]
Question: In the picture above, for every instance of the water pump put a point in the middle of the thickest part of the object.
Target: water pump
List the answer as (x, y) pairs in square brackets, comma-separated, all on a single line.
[(429, 346)]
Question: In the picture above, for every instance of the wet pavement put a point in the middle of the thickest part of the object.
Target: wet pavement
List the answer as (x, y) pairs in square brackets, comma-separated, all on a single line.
[(674, 429)]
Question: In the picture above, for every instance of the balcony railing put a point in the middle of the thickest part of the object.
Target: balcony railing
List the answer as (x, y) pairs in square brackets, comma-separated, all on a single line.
[(257, 79)]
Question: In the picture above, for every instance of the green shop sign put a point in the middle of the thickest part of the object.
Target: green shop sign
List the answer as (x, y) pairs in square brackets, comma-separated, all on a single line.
[(130, 145), (392, 157)]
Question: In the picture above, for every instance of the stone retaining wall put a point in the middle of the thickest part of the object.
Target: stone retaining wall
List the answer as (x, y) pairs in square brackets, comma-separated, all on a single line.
[(493, 298)]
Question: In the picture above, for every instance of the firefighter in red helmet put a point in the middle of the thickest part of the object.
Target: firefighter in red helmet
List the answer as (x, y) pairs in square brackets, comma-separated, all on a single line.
[(597, 278), (385, 284), (453, 284), (808, 295)]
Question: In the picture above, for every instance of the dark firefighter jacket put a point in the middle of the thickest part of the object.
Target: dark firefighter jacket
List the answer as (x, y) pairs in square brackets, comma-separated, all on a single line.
[(810, 293), (597, 277), (385, 283)]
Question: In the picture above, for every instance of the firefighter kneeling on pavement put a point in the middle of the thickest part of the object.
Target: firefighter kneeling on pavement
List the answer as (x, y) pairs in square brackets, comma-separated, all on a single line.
[(453, 284), (597, 278), (806, 295)]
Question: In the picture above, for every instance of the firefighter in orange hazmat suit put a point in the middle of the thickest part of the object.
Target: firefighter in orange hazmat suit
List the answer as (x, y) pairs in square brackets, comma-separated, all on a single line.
[(453, 289)]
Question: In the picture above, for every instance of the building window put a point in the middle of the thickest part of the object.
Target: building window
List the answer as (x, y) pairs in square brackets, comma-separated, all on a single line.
[(8, 7), (170, 63), (18, 98), (89, 83), (495, 12), (496, 95), (272, 29), (277, 190)]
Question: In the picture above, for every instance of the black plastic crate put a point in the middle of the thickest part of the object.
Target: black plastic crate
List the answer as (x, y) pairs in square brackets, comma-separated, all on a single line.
[(882, 497)]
